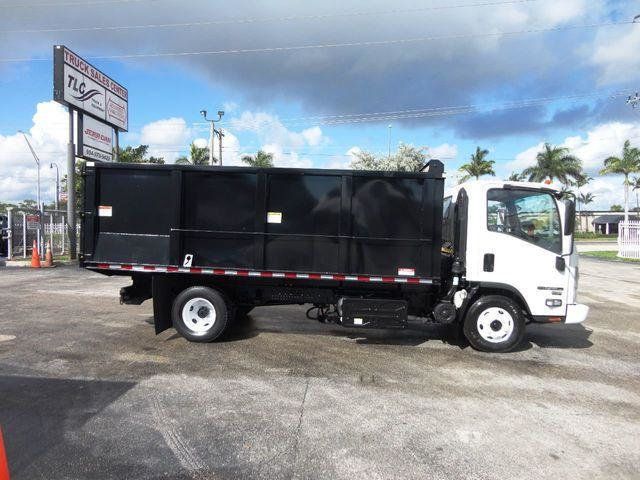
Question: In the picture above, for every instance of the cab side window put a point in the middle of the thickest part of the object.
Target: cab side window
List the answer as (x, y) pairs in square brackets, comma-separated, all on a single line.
[(528, 215)]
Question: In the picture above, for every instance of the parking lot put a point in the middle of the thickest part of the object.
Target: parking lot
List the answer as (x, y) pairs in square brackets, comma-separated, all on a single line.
[(88, 391)]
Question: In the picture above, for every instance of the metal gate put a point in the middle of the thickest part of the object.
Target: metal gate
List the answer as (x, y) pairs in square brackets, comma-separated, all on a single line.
[(25, 227), (629, 239)]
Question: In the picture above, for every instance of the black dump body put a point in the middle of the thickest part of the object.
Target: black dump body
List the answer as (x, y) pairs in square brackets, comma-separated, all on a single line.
[(305, 221)]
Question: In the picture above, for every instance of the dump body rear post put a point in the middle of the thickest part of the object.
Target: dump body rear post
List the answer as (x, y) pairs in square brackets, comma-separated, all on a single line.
[(363, 249)]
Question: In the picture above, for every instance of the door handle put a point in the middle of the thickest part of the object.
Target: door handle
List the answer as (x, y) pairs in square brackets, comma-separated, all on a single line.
[(489, 260)]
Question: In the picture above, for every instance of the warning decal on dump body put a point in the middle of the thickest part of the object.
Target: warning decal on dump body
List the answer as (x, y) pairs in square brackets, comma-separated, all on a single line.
[(105, 211), (406, 272), (274, 217)]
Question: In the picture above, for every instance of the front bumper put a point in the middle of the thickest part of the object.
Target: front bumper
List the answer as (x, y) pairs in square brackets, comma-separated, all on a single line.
[(576, 313)]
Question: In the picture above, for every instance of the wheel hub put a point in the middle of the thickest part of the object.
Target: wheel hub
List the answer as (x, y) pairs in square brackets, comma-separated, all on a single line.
[(198, 315), (495, 325)]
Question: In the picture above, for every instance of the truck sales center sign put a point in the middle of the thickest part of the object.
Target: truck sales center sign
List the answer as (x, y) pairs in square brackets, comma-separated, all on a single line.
[(78, 84)]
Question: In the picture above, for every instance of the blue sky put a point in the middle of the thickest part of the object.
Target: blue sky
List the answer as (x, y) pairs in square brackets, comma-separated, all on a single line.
[(564, 58)]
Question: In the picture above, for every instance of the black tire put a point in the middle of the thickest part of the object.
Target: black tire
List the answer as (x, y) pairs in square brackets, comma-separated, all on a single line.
[(495, 324), (204, 326)]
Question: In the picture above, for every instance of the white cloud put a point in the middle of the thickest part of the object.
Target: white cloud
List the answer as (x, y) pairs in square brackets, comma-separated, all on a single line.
[(603, 141), (49, 137), (229, 107), (166, 138), (276, 138), (444, 151), (231, 150), (342, 162), (616, 54), (524, 159), (599, 143)]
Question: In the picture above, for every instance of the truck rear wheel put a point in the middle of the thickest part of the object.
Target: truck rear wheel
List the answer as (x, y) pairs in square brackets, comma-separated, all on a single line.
[(494, 324), (200, 314)]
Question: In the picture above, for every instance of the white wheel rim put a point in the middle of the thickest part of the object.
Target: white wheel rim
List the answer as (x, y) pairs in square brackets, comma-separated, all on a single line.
[(198, 315), (495, 324)]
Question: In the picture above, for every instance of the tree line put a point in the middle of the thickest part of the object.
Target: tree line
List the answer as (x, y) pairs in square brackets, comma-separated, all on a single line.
[(552, 163)]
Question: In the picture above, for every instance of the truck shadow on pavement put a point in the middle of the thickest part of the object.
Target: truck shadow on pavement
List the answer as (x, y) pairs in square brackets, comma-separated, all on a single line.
[(37, 416), (557, 336), (417, 333), (253, 325)]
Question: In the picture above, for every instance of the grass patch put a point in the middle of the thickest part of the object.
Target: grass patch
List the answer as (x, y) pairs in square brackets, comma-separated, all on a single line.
[(594, 236), (611, 255)]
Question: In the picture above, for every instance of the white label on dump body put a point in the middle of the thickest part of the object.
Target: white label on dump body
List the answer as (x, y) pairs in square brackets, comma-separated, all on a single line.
[(274, 217), (105, 211), (406, 272)]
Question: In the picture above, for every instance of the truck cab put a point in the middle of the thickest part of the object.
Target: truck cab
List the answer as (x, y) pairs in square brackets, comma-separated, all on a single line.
[(515, 240)]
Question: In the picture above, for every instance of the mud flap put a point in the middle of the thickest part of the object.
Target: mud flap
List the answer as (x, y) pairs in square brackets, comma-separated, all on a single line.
[(162, 302)]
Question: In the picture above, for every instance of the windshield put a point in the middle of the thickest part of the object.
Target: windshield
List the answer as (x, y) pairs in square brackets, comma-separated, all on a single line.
[(529, 215)]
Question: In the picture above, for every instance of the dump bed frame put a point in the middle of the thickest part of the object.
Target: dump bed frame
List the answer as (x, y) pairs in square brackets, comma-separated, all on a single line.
[(344, 225)]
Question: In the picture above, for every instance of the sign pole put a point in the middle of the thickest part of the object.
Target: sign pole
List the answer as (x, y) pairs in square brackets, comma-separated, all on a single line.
[(116, 153), (71, 190)]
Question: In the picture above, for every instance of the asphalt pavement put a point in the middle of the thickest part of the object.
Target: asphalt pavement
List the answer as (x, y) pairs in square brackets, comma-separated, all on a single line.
[(87, 391)]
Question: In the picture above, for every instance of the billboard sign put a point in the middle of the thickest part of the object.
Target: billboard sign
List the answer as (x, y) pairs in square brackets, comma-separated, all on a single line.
[(95, 139), (78, 84)]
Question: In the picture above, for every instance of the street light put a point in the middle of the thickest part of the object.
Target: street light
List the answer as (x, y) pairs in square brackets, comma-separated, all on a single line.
[(39, 208), (51, 165), (35, 157), (212, 132)]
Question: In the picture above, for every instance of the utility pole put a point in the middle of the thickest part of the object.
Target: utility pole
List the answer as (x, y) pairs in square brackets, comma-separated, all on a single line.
[(212, 131), (220, 137), (53, 164), (389, 142)]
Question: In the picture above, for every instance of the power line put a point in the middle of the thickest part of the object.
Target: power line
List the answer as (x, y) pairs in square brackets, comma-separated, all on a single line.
[(338, 119), (73, 4), (434, 111), (287, 18), (371, 43)]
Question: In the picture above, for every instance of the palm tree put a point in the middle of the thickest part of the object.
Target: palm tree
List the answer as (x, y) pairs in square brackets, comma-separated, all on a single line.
[(478, 166), (199, 156), (553, 163), (566, 192), (516, 177), (584, 199), (627, 164), (635, 186), (261, 159)]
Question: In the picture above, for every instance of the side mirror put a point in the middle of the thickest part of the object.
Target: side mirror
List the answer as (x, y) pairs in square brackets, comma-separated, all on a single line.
[(569, 217), (560, 264)]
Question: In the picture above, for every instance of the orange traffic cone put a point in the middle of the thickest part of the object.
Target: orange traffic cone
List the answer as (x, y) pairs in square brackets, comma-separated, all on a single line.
[(35, 256), (48, 258), (4, 466)]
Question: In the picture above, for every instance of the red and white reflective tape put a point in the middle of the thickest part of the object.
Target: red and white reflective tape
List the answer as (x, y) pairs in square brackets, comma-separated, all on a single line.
[(261, 273)]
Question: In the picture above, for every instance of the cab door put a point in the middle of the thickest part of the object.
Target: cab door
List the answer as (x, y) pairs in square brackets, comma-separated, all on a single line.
[(518, 247)]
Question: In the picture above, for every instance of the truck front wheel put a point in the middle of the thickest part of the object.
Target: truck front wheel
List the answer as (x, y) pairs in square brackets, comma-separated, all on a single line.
[(494, 324), (200, 314)]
